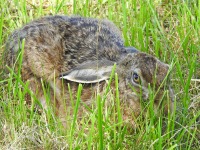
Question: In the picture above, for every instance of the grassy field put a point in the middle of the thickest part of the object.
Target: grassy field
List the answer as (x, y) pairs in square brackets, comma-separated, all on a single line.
[(167, 29)]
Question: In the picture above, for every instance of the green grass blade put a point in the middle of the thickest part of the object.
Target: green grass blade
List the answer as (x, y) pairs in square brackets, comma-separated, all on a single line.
[(100, 120), (80, 87)]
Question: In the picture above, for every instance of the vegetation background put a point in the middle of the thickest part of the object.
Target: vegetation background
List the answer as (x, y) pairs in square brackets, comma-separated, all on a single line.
[(169, 30)]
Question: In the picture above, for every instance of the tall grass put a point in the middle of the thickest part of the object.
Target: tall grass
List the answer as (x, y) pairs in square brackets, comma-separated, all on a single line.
[(169, 30)]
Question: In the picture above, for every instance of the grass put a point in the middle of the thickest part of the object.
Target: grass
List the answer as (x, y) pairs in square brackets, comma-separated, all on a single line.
[(169, 30)]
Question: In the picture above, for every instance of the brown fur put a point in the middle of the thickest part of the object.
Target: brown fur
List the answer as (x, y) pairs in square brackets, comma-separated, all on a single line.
[(57, 44)]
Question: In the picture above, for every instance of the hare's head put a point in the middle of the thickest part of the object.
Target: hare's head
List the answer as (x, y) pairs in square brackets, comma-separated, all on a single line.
[(138, 73), (141, 76)]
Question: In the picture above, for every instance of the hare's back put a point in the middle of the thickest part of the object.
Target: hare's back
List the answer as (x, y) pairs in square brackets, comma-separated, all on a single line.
[(38, 32), (42, 48), (76, 34), (62, 42)]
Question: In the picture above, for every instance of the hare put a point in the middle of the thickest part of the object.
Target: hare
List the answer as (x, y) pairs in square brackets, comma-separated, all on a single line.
[(77, 50)]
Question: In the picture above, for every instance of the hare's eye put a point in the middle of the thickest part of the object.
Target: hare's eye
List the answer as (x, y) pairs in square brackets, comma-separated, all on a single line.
[(136, 78)]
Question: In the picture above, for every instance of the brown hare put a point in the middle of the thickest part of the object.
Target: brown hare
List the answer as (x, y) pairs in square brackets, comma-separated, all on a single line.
[(83, 50)]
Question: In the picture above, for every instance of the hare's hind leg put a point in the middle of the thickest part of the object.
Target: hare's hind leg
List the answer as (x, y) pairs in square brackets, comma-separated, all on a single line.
[(52, 97), (58, 94), (45, 96), (44, 65), (36, 88)]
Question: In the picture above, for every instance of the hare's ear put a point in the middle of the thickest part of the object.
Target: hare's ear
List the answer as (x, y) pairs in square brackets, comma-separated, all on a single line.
[(91, 72), (131, 49)]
